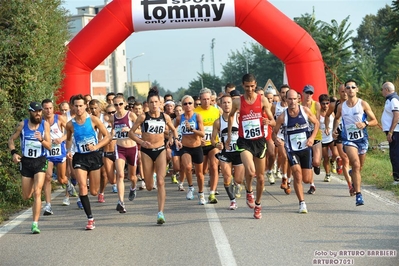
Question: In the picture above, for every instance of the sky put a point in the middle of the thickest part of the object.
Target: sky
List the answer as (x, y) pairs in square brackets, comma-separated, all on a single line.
[(173, 57)]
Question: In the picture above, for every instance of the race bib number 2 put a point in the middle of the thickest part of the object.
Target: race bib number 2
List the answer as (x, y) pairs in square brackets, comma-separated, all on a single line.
[(298, 141)]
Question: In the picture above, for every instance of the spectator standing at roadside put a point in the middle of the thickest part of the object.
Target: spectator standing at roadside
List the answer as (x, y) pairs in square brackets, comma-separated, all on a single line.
[(390, 120)]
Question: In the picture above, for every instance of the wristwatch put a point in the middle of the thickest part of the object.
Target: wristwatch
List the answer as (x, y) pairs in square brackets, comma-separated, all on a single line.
[(366, 123)]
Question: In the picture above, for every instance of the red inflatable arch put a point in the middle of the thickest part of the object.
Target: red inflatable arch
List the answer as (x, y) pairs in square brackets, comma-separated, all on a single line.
[(258, 18)]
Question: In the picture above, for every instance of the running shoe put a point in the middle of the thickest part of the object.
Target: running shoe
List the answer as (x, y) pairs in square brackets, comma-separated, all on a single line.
[(250, 200), (312, 190), (316, 170), (174, 179), (327, 178), (237, 190), (66, 202), (302, 207), (142, 185), (258, 212), (339, 166), (359, 199), (201, 199), (90, 224), (278, 174), (80, 205), (114, 188), (212, 199), (288, 189), (270, 177), (160, 218), (352, 191), (101, 198), (132, 194), (121, 207), (47, 210), (233, 205), (283, 183), (333, 166), (395, 183), (216, 192), (155, 181), (190, 193), (180, 187), (35, 228), (71, 190)]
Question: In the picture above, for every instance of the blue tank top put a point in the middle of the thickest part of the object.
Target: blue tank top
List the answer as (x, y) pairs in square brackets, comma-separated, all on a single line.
[(84, 135), (297, 131), (31, 146), (193, 123)]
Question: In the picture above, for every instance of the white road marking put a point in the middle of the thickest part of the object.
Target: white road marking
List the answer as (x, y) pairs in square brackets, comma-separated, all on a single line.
[(23, 216), (222, 243)]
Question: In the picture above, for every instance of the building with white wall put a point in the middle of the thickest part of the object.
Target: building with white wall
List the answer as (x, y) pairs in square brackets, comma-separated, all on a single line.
[(111, 74)]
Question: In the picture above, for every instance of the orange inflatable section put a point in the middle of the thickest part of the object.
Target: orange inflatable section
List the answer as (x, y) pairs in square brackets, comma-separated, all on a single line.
[(258, 18)]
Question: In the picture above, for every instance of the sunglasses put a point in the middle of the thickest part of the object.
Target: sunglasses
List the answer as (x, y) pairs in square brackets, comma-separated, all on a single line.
[(350, 87), (111, 113), (188, 103), (325, 103), (118, 104)]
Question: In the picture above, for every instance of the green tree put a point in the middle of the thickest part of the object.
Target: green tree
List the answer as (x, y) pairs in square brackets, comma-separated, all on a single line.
[(310, 24), (393, 33), (177, 95), (205, 80), (391, 64), (32, 55), (263, 64), (365, 72), (334, 45), (372, 37)]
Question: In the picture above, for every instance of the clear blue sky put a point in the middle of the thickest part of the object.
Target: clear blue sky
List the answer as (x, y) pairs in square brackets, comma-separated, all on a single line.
[(179, 60)]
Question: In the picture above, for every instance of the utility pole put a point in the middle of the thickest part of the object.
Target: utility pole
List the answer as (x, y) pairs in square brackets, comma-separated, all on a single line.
[(131, 87), (213, 56), (202, 63)]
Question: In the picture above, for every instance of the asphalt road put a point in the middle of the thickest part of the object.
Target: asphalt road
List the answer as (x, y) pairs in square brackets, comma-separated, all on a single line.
[(334, 232)]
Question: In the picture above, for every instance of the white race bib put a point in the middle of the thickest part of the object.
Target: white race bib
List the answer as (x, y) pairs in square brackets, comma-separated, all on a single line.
[(33, 148), (55, 150), (119, 134), (208, 133), (155, 127), (298, 141), (353, 133), (252, 129), (83, 145)]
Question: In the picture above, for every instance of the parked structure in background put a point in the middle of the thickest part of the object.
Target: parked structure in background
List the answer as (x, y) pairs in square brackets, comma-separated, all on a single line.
[(111, 74)]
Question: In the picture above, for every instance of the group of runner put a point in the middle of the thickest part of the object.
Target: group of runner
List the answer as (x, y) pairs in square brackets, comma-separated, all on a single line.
[(243, 136)]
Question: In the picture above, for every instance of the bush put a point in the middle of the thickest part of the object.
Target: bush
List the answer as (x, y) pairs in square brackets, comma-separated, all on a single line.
[(32, 54)]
